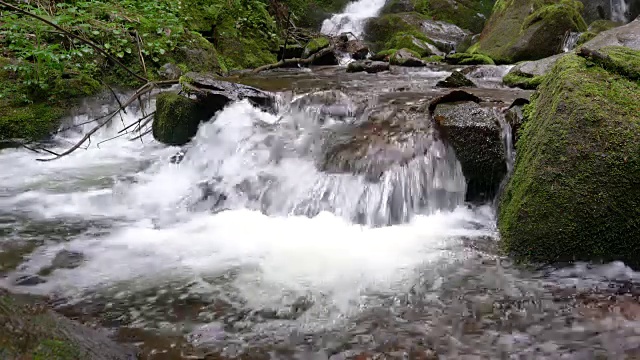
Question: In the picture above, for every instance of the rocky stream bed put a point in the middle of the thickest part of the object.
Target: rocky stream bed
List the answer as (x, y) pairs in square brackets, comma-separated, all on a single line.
[(333, 226)]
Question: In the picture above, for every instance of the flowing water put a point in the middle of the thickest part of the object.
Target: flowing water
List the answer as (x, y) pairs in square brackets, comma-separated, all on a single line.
[(353, 18), (245, 249), (570, 40), (620, 11)]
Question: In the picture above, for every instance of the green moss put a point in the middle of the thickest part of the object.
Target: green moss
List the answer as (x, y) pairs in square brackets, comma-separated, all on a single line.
[(315, 45), (176, 119), (380, 30), (418, 43), (574, 192), (396, 58), (467, 14), (521, 80), (31, 122), (514, 33), (433, 58), (56, 350), (469, 59)]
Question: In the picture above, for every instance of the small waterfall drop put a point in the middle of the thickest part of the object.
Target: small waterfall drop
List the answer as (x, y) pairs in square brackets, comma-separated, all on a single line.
[(619, 11), (570, 40), (353, 18)]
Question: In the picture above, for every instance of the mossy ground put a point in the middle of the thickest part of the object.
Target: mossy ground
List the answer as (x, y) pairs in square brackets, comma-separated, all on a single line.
[(28, 331), (575, 190)]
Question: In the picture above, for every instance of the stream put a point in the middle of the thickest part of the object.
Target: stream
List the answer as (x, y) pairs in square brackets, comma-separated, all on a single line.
[(244, 249)]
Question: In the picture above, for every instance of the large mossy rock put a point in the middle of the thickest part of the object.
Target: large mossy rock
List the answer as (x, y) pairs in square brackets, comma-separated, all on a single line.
[(575, 190), (30, 331), (467, 14), (380, 30), (515, 33)]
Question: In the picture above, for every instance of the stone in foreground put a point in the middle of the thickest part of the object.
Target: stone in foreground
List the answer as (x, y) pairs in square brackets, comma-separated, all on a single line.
[(474, 133), (575, 190)]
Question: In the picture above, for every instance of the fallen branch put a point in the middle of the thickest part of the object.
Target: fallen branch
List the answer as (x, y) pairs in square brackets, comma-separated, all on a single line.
[(295, 61), (146, 88), (95, 46)]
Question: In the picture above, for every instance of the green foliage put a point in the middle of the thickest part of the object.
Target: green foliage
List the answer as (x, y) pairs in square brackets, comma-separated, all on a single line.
[(574, 192)]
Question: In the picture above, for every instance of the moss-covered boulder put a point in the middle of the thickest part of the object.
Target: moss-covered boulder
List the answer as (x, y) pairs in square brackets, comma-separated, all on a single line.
[(31, 331), (467, 14), (418, 43), (468, 59), (406, 57), (177, 118), (595, 28), (529, 30), (575, 190), (315, 45), (475, 135), (380, 30)]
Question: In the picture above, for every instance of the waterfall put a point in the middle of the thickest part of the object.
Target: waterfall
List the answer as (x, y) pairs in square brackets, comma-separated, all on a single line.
[(570, 40), (353, 18), (619, 11)]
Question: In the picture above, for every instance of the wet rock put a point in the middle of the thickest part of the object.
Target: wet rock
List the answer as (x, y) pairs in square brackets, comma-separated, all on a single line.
[(30, 330), (456, 79), (469, 15), (368, 66), (177, 117), (292, 51), (29, 280), (514, 117), (526, 30), (169, 71), (404, 57), (418, 44), (66, 259), (177, 157), (574, 194), (218, 93), (355, 48), (327, 58), (475, 135), (627, 36), (445, 36)]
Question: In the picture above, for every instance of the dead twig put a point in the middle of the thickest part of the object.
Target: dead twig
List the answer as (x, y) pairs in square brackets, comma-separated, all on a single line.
[(305, 61)]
